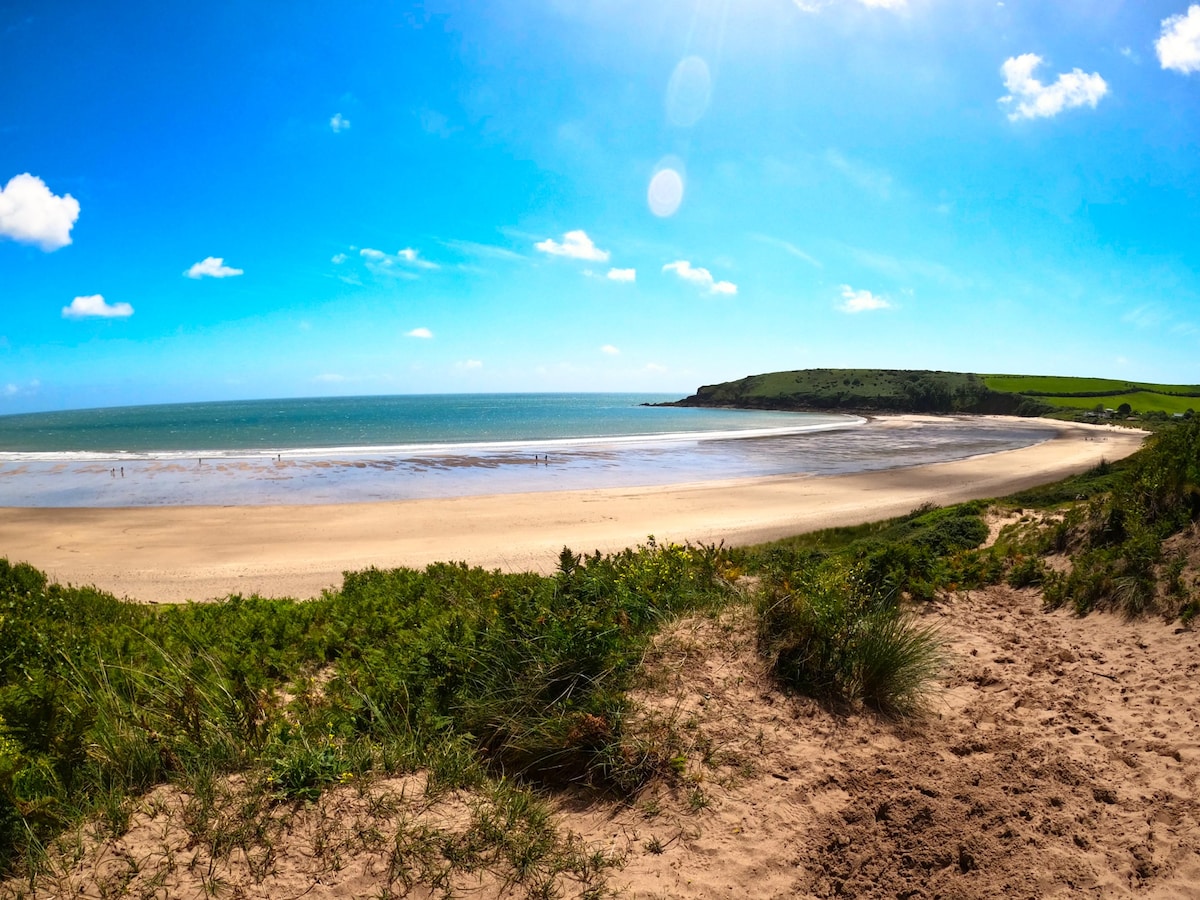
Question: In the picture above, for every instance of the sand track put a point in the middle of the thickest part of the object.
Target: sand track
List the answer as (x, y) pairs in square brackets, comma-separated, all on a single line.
[(1059, 759)]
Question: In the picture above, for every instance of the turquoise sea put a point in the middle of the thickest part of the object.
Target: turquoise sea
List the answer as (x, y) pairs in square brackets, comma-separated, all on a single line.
[(369, 423), (361, 449)]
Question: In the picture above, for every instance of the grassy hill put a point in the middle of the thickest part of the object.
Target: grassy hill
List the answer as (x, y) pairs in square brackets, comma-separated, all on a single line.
[(901, 390)]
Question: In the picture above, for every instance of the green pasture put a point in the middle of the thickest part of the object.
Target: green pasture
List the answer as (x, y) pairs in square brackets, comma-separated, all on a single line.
[(1067, 385), (1056, 384), (1142, 402)]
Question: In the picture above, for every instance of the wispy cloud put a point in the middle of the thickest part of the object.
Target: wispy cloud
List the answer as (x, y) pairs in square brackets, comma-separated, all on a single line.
[(866, 177), (1178, 46), (338, 259), (212, 267), (907, 269), (788, 248), (31, 214), (423, 333), (576, 245), (395, 264), (488, 251), (700, 277), (610, 350), (1035, 100), (622, 275), (815, 6), (94, 307), (470, 364), (435, 123), (861, 301), (339, 123), (1148, 315)]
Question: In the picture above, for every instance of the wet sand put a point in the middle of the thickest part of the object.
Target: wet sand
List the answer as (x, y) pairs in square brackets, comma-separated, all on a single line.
[(172, 554)]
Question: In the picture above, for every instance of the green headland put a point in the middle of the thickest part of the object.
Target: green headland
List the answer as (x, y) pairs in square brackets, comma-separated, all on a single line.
[(923, 391)]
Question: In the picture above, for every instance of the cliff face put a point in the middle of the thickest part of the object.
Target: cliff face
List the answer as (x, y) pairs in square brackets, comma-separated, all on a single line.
[(865, 390)]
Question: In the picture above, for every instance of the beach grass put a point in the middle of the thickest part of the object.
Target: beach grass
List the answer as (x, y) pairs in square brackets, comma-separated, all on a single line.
[(484, 681), (470, 675)]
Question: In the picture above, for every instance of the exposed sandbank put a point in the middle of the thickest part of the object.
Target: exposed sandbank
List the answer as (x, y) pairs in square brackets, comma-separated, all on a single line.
[(180, 553)]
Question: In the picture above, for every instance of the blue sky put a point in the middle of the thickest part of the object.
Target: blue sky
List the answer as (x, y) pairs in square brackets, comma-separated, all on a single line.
[(294, 199)]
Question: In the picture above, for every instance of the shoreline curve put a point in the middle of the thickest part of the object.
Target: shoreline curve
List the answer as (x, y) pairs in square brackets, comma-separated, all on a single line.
[(174, 554)]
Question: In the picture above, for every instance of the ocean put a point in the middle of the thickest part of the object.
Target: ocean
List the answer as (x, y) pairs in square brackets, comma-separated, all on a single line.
[(362, 449), (370, 424)]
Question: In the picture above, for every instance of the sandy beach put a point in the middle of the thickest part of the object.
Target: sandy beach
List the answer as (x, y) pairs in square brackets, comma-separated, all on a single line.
[(176, 554)]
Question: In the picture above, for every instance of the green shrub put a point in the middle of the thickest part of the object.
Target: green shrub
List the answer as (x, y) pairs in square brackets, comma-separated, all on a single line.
[(460, 670), (836, 636), (1027, 572)]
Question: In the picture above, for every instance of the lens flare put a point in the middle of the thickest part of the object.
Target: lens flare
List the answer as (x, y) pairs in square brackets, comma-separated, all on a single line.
[(665, 192), (688, 92)]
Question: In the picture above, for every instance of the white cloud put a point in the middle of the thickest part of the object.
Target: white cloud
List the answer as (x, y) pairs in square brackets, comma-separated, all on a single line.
[(95, 307), (622, 274), (1178, 47), (338, 259), (655, 367), (470, 364), (610, 350), (339, 124), (861, 301), (370, 253), (31, 214), (700, 277), (1040, 101), (413, 258), (212, 267), (575, 244), (12, 389), (419, 333)]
